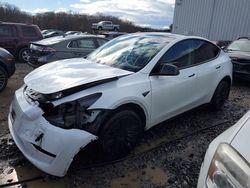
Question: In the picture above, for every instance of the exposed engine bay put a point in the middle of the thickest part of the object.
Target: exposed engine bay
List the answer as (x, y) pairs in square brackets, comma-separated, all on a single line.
[(70, 115)]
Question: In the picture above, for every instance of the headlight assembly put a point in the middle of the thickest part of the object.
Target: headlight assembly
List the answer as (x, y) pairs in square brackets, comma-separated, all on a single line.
[(71, 114), (228, 169)]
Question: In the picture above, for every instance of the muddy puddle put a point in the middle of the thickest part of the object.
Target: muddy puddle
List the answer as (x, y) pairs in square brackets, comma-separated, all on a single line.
[(154, 175), (17, 174)]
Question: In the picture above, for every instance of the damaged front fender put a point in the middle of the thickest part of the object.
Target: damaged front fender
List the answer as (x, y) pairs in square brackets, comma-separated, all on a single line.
[(48, 147)]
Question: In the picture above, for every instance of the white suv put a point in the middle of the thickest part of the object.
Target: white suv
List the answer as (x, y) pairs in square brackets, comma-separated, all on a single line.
[(126, 86)]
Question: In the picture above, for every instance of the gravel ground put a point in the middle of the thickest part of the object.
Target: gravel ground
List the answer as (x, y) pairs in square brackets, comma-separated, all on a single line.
[(170, 165)]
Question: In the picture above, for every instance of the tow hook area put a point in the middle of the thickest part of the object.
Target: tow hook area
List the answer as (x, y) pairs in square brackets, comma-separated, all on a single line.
[(39, 137)]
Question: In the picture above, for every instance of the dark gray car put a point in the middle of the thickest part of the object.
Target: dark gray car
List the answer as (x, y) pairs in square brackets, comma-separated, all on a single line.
[(7, 67), (239, 52), (63, 47)]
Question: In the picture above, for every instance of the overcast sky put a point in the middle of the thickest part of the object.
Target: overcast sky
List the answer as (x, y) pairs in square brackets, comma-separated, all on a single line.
[(153, 13)]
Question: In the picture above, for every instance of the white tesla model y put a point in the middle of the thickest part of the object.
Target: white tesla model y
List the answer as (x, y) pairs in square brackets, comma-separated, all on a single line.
[(121, 89)]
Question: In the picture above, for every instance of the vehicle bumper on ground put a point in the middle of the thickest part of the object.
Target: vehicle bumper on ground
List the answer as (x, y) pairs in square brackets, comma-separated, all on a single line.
[(49, 148)]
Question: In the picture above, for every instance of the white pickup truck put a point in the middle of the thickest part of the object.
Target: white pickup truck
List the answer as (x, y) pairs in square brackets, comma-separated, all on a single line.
[(105, 25)]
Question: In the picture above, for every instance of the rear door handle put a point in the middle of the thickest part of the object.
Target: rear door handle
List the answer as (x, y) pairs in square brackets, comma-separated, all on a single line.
[(191, 75), (218, 67), (77, 53)]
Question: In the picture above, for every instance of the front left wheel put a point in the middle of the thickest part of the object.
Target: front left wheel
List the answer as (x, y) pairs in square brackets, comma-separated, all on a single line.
[(3, 78), (120, 134)]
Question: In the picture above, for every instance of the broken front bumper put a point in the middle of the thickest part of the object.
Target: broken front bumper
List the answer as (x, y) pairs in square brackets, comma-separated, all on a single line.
[(50, 148)]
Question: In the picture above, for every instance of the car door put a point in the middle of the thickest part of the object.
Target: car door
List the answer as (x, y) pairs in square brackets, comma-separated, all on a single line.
[(208, 68), (8, 37), (108, 26), (172, 95), (82, 47)]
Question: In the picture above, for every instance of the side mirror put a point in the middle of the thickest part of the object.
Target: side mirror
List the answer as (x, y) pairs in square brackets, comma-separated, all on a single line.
[(168, 70)]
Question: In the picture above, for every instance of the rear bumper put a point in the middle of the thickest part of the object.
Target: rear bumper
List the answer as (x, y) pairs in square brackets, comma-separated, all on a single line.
[(39, 61), (242, 75), (56, 148), (241, 70)]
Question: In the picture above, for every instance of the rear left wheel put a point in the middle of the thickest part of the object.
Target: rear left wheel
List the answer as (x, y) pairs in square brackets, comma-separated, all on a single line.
[(220, 95), (3, 78), (120, 134), (23, 55)]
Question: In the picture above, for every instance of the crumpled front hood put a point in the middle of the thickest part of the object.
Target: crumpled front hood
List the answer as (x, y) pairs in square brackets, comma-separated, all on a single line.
[(69, 73)]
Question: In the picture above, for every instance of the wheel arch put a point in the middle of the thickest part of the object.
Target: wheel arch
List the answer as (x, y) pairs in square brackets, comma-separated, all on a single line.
[(228, 79), (138, 109), (4, 66)]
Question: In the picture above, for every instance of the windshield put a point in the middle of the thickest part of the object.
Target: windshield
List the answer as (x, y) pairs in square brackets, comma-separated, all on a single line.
[(239, 45), (129, 52)]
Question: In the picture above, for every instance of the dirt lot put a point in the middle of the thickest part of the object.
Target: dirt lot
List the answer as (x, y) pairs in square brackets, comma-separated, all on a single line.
[(175, 164)]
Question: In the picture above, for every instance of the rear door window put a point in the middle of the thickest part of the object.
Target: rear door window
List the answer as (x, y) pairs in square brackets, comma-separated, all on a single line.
[(73, 44), (204, 51), (101, 41), (86, 43), (28, 31), (8, 31)]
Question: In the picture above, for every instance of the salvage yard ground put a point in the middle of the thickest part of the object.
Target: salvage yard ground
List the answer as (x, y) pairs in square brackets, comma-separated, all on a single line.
[(175, 164)]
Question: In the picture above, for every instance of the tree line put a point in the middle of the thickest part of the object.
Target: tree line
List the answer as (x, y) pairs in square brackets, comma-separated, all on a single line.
[(65, 21)]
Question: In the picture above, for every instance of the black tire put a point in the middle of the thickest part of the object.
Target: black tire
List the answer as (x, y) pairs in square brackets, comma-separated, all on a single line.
[(119, 134), (23, 55), (99, 28), (3, 78), (220, 95), (115, 29)]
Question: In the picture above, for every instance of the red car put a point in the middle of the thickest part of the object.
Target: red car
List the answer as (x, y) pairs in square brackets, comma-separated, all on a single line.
[(16, 38)]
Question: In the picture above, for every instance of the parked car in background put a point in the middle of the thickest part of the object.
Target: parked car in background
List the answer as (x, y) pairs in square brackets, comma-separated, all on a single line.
[(126, 86), (73, 32), (105, 25), (112, 35), (222, 43), (16, 38), (7, 67), (239, 52), (63, 47), (45, 31), (227, 160), (53, 34)]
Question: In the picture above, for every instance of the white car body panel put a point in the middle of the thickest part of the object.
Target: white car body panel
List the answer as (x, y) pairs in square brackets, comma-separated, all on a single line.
[(206, 76), (237, 136), (160, 97), (169, 99), (64, 74), (31, 124)]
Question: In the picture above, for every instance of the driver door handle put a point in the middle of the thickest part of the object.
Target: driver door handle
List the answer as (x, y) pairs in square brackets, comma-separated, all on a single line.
[(191, 75)]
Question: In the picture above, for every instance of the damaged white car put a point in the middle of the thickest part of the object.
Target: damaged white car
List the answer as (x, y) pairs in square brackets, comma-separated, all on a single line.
[(227, 160), (123, 88)]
